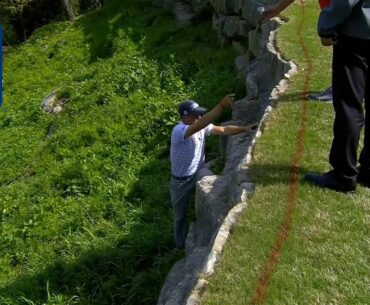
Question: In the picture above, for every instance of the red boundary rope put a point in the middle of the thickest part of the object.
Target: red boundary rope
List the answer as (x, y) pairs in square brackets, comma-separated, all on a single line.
[(270, 264)]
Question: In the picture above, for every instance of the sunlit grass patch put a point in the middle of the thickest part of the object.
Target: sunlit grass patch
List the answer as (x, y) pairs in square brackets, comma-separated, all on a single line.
[(325, 259), (84, 202)]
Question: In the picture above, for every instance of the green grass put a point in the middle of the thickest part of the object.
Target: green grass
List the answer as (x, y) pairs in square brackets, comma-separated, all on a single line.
[(84, 201), (325, 259)]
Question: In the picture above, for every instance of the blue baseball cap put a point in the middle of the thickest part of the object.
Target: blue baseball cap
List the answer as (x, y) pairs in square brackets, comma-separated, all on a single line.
[(190, 107)]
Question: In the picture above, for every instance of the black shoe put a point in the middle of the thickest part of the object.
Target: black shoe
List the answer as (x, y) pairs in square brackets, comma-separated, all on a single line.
[(363, 178), (332, 181), (325, 96)]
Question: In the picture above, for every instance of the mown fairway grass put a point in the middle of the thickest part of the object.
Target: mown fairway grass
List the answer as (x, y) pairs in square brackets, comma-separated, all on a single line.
[(84, 202), (325, 258)]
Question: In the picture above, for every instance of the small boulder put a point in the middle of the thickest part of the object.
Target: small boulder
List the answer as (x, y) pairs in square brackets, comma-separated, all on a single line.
[(52, 103)]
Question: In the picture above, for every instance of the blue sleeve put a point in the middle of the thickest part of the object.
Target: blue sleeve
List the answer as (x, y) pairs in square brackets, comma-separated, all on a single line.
[(334, 15)]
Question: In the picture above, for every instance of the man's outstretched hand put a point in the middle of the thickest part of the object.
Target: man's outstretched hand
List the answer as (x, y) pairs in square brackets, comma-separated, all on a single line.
[(251, 127), (273, 10), (328, 41), (227, 101), (270, 11)]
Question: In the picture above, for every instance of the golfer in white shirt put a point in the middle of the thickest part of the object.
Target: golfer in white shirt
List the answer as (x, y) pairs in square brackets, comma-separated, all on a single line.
[(187, 155)]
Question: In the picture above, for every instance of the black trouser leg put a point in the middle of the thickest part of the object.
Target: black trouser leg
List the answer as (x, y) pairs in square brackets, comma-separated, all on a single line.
[(365, 153), (350, 68)]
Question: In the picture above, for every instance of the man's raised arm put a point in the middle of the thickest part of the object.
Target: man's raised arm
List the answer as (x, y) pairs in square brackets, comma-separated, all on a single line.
[(273, 10), (210, 116)]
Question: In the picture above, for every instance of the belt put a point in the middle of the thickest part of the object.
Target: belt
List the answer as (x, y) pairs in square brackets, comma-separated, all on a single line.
[(182, 178)]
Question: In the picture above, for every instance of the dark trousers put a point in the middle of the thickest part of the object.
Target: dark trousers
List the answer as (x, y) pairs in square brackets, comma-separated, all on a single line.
[(351, 100), (181, 191)]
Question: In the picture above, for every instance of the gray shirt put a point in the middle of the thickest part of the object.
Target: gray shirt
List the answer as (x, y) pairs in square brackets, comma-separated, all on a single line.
[(349, 17)]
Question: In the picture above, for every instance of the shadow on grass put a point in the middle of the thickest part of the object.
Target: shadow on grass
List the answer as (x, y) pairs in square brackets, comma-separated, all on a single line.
[(271, 174), (297, 97), (160, 39), (130, 271), (135, 18)]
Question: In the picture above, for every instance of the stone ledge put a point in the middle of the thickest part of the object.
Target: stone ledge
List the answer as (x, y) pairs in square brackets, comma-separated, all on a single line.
[(221, 199)]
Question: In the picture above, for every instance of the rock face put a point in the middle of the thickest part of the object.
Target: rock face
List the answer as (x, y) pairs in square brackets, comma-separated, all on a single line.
[(220, 199)]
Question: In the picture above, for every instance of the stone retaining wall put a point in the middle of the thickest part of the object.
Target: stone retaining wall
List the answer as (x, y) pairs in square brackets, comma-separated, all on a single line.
[(220, 199)]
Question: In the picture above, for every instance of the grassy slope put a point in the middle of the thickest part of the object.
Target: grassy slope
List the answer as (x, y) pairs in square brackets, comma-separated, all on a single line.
[(84, 202), (325, 259)]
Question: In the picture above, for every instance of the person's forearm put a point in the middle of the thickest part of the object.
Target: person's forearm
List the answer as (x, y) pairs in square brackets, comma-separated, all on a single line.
[(230, 130), (233, 130), (206, 119), (283, 4), (273, 10), (210, 116)]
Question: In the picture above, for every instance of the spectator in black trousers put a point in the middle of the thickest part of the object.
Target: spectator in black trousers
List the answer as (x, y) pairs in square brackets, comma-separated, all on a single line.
[(345, 24), (275, 9)]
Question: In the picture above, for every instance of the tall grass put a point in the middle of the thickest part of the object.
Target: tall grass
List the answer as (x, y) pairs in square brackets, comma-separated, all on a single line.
[(84, 202)]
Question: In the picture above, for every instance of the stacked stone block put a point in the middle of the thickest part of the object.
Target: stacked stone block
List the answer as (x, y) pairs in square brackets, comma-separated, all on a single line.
[(219, 198)]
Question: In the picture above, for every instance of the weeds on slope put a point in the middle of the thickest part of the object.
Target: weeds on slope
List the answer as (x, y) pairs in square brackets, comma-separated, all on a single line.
[(85, 216)]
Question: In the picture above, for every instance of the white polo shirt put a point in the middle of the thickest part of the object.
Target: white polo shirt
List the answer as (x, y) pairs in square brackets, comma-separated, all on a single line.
[(187, 155)]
